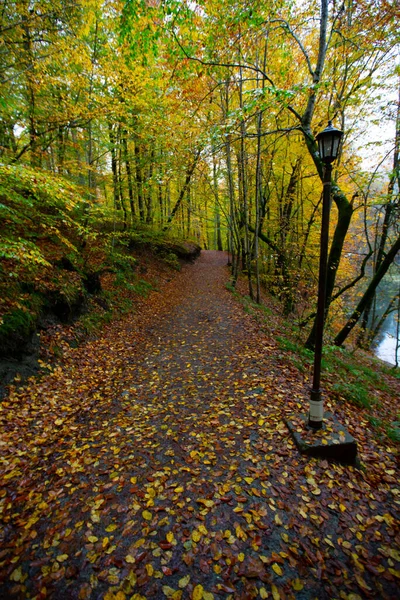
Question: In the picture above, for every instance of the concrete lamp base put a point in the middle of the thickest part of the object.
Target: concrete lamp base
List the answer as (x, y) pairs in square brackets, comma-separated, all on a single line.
[(332, 441)]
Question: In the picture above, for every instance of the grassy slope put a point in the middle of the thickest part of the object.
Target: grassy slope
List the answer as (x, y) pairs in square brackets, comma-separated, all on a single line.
[(351, 378)]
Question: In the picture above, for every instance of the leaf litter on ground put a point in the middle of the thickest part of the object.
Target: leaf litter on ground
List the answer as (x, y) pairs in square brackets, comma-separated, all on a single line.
[(154, 462)]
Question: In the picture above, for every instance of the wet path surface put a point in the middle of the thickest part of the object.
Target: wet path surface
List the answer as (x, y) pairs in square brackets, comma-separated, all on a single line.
[(155, 463)]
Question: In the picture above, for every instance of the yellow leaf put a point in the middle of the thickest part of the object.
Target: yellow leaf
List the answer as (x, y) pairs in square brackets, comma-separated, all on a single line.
[(395, 554), (16, 575), (133, 479), (94, 516), (249, 480), (217, 569), (178, 490), (363, 584), (275, 593), (240, 533), (120, 595), (394, 572), (202, 529), (208, 503), (198, 592), (329, 542), (62, 557), (285, 537), (111, 527), (263, 593), (130, 559), (147, 515), (316, 491), (93, 539), (170, 537), (208, 596), (168, 591), (278, 520), (277, 569), (297, 585), (196, 535), (241, 557), (184, 581), (149, 569)]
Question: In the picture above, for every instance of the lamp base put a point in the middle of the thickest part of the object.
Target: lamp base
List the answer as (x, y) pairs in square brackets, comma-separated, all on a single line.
[(316, 414), (331, 441)]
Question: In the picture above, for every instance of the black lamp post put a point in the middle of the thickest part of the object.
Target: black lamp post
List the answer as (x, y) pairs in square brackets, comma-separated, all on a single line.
[(328, 145)]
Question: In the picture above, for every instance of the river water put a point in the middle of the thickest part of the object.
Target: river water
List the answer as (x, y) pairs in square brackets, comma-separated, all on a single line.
[(385, 348)]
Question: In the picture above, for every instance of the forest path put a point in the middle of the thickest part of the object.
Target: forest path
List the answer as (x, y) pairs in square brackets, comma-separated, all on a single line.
[(154, 463)]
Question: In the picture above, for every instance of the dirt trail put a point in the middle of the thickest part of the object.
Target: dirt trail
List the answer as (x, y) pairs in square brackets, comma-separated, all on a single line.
[(155, 463)]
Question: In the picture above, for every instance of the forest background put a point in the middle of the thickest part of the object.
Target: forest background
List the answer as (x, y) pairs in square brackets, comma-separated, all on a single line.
[(124, 121)]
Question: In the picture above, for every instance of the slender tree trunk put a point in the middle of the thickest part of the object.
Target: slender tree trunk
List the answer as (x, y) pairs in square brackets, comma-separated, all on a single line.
[(189, 173), (366, 337), (129, 174), (114, 168), (149, 197), (139, 180), (243, 171), (217, 214), (121, 187), (370, 291), (160, 195), (31, 97)]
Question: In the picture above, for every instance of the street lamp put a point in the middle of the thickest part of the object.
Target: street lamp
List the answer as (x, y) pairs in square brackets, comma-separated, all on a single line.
[(328, 146)]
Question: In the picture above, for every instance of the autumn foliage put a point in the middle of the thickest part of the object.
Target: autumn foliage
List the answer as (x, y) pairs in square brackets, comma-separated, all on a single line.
[(149, 457)]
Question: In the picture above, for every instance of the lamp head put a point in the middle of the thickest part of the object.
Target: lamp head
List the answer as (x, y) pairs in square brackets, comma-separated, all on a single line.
[(329, 143)]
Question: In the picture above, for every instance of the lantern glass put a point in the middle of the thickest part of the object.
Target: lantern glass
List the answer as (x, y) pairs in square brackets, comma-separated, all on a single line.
[(329, 143)]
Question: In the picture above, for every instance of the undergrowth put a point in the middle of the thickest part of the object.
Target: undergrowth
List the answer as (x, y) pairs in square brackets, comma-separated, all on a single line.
[(54, 251), (348, 376)]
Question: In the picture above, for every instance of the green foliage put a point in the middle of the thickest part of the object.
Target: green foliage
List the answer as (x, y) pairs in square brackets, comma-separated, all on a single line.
[(22, 251), (393, 431), (133, 284), (355, 392), (171, 259), (19, 321), (94, 320), (36, 208)]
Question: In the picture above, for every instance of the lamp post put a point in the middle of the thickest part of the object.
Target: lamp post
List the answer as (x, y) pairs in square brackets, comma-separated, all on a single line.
[(328, 145)]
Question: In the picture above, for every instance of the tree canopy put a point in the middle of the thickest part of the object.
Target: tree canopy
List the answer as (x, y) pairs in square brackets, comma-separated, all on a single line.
[(200, 119)]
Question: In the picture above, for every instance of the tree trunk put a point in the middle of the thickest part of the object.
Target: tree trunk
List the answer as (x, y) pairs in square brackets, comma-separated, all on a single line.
[(139, 180), (368, 294), (189, 173), (128, 174), (114, 168)]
